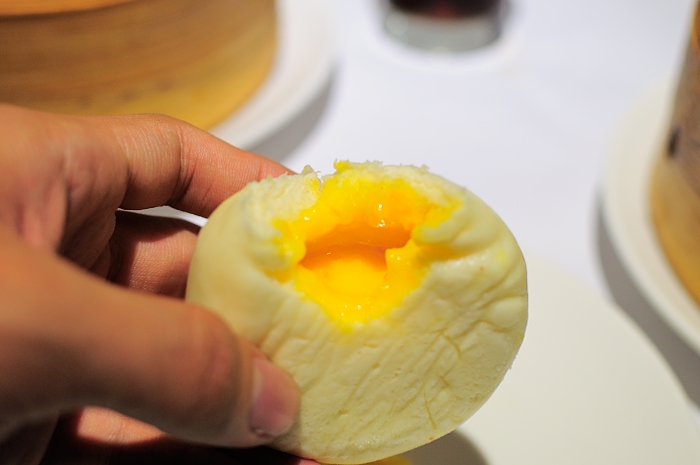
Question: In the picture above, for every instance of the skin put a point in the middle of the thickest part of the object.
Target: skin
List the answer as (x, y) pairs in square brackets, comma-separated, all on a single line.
[(100, 358)]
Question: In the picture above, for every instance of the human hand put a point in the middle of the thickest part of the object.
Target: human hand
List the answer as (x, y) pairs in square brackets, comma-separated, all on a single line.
[(91, 310)]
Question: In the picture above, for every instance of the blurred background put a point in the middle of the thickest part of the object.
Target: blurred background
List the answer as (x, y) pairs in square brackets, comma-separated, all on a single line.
[(523, 102)]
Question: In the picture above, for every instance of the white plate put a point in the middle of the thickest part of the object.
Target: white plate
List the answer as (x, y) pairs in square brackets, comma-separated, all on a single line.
[(306, 50), (627, 216), (586, 388)]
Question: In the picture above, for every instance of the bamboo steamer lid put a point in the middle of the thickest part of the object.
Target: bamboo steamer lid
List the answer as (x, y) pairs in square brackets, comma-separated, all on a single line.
[(675, 184), (197, 60), (33, 7)]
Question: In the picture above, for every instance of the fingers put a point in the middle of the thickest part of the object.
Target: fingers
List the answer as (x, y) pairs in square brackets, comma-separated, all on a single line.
[(74, 169), (107, 426), (69, 339), (95, 437), (150, 254), (171, 162), (104, 438)]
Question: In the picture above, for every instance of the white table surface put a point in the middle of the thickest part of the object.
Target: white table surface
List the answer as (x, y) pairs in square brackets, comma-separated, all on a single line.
[(525, 124)]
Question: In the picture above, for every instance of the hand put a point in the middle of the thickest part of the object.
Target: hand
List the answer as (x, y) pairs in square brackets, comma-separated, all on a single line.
[(92, 311)]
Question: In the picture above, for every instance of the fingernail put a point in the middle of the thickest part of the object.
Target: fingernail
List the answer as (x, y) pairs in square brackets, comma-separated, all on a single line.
[(275, 400)]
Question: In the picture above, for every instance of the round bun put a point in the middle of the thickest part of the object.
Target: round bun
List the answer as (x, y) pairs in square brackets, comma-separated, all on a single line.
[(396, 300)]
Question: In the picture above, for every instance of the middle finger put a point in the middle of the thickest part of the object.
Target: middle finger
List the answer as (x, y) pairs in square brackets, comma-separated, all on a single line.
[(150, 254)]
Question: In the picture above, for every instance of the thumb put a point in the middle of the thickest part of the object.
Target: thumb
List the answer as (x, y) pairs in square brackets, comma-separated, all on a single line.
[(71, 340), (180, 368)]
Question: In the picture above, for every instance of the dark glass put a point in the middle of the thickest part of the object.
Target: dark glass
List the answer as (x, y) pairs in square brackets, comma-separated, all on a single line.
[(447, 8), (444, 26)]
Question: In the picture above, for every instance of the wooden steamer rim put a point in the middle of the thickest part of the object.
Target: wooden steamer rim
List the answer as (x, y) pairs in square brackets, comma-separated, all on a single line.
[(675, 183), (193, 60), (39, 7)]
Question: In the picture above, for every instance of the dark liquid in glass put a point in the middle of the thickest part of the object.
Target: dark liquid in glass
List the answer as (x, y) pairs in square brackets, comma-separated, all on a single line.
[(447, 8)]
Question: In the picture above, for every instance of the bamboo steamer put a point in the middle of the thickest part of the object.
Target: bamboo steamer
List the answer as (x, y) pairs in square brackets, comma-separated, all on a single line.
[(675, 184), (197, 60)]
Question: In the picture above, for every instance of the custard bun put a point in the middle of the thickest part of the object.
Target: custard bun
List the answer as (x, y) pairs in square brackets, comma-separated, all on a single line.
[(396, 300)]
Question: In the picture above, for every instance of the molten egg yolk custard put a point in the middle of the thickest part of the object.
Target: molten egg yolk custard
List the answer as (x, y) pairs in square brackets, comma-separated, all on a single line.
[(353, 251), (396, 300)]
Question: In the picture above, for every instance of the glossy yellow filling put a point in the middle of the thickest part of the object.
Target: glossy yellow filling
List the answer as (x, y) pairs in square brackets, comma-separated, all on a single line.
[(352, 251)]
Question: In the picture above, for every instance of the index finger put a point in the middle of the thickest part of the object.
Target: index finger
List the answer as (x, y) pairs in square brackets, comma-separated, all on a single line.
[(174, 163)]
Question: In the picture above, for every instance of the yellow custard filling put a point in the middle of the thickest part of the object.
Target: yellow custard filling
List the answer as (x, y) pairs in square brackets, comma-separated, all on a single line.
[(353, 250)]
